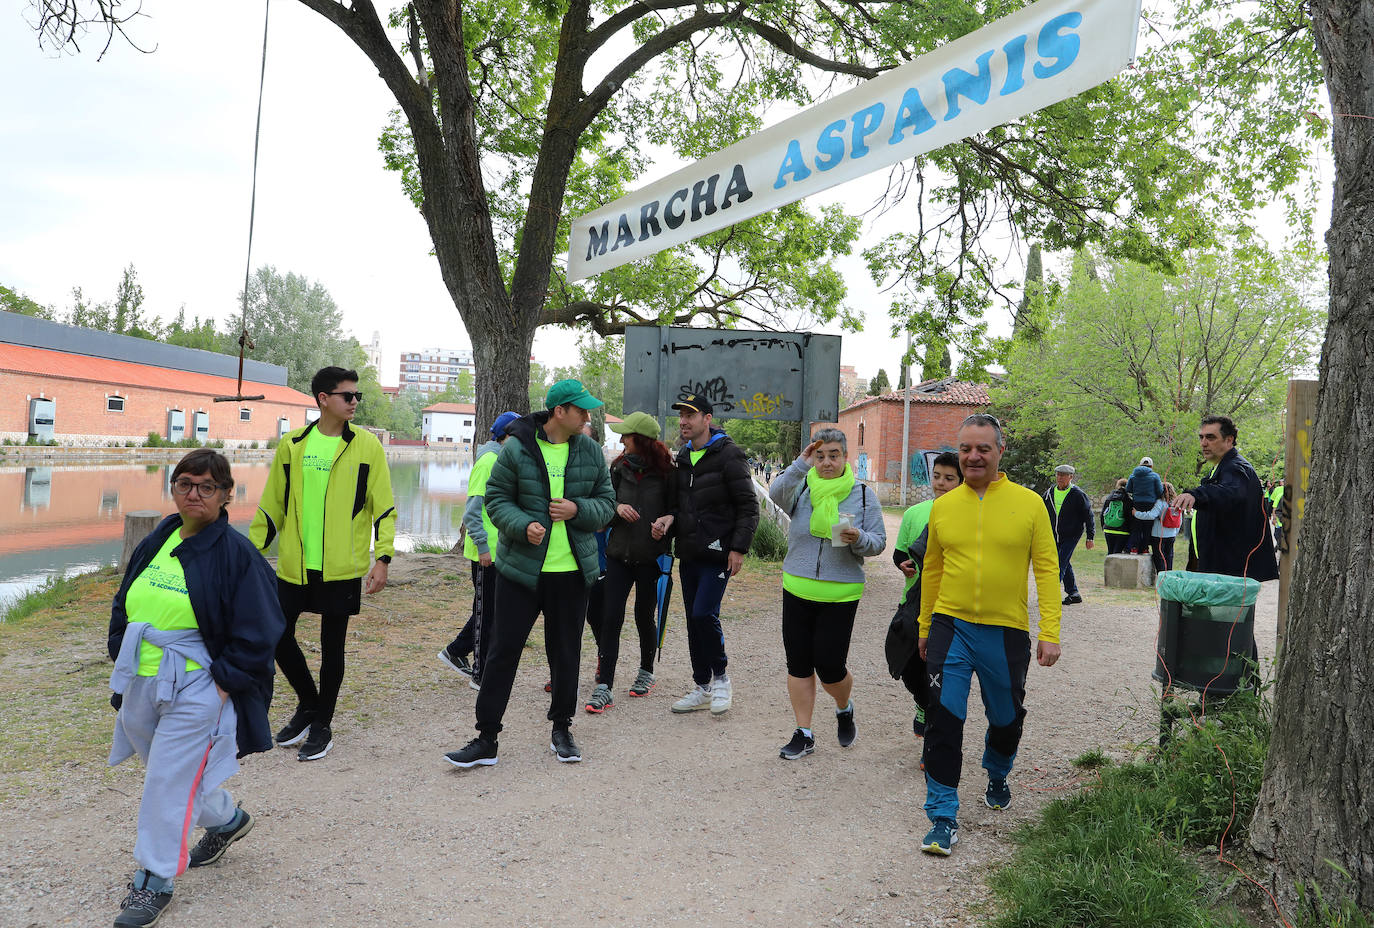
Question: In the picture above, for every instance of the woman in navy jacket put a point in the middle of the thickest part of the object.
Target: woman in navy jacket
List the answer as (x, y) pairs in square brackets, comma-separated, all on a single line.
[(193, 632)]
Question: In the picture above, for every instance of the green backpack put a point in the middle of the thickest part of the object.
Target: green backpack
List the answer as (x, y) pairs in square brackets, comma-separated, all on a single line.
[(1114, 516)]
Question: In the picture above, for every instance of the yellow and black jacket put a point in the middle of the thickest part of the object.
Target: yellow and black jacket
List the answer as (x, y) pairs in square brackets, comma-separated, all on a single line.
[(357, 503)]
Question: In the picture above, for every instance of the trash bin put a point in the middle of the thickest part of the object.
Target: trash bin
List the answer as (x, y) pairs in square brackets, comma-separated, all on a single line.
[(1206, 631)]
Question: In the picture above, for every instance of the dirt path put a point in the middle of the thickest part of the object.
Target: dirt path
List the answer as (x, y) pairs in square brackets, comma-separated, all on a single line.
[(669, 820)]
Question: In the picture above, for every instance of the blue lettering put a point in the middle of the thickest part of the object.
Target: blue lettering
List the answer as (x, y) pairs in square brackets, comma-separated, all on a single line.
[(830, 144), (1062, 48), (961, 83), (792, 163), (1016, 65), (912, 114), (866, 122)]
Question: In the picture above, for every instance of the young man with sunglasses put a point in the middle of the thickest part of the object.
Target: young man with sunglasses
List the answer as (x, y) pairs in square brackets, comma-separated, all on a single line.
[(328, 492)]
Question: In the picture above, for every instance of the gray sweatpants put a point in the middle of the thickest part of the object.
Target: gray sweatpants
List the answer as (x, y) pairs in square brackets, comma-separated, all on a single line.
[(188, 745)]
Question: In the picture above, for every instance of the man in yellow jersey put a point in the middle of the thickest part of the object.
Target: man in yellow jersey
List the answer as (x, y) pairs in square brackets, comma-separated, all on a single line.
[(548, 494), (328, 491), (983, 537)]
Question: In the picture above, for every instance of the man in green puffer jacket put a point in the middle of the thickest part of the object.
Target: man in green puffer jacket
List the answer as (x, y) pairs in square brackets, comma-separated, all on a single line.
[(548, 494)]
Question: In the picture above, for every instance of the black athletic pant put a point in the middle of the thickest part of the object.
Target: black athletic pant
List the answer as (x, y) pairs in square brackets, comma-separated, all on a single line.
[(291, 660), (562, 598), (620, 578), (471, 639), (1116, 541)]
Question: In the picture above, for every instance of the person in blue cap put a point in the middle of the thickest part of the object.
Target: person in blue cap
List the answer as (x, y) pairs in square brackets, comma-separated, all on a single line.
[(548, 494), (479, 547)]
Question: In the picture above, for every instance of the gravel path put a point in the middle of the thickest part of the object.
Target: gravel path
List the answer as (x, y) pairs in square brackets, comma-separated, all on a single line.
[(669, 821)]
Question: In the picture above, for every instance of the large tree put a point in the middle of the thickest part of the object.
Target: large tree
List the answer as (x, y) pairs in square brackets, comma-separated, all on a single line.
[(1132, 357), (1315, 811)]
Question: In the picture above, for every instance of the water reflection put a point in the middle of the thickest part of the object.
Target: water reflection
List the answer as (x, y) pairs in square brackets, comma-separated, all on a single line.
[(56, 519)]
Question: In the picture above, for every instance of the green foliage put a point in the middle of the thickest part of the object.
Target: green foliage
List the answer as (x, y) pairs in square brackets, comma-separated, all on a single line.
[(57, 590), (1031, 452), (1315, 911), (296, 323), (758, 437), (1133, 358), (1091, 760), (12, 301), (770, 541), (879, 384), (1116, 854), (430, 547)]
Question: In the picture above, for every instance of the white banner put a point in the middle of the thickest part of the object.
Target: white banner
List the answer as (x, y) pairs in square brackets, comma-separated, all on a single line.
[(1044, 53)]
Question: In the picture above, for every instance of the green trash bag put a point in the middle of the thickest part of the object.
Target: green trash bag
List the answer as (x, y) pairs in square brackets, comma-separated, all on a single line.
[(1197, 589)]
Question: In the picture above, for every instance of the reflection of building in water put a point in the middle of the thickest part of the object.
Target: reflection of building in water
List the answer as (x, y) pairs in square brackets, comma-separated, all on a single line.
[(82, 387), (435, 507), (52, 507)]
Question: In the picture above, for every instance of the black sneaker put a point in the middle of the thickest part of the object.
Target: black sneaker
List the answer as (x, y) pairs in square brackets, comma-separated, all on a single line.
[(479, 752), (1073, 600), (846, 730), (141, 907), (798, 747), (564, 746), (295, 730), (213, 844), (318, 744), (457, 661), (998, 795)]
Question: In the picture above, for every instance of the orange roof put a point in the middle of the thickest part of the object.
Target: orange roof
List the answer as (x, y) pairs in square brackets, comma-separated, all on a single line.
[(21, 359), (945, 392), (451, 407)]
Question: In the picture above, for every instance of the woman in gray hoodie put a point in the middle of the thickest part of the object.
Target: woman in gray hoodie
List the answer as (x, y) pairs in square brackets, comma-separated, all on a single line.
[(836, 523)]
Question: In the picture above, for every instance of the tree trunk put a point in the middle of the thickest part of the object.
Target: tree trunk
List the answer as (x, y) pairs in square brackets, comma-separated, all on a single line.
[(502, 354), (1315, 803)]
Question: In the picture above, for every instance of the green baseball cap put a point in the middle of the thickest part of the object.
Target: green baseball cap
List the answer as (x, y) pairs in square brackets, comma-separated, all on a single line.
[(570, 391), (636, 423)]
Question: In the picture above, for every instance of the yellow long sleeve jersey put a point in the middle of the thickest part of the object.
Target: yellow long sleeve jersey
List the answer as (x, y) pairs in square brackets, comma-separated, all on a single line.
[(979, 554)]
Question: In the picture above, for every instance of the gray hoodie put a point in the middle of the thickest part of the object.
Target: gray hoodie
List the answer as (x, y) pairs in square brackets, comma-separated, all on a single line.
[(816, 558), (472, 512)]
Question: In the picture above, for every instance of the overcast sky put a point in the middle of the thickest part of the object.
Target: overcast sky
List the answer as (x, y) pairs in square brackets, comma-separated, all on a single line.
[(147, 159)]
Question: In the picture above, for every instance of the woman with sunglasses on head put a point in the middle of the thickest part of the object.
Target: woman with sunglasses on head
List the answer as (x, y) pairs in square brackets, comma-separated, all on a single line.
[(193, 630), (328, 491), (646, 502)]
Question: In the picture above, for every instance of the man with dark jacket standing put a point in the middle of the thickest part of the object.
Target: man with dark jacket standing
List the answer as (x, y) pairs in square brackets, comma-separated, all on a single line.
[(1070, 513), (716, 518), (548, 495), (1230, 531)]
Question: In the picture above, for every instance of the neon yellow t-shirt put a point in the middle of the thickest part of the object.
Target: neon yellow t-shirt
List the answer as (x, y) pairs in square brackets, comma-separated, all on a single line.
[(696, 456), (158, 596), (316, 462), (1059, 497), (477, 486), (822, 591), (559, 558)]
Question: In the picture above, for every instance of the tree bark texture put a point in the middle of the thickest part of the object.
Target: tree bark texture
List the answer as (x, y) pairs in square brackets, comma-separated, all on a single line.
[(1316, 803)]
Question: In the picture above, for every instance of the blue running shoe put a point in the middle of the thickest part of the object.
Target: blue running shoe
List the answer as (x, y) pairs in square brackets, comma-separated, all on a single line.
[(941, 838)]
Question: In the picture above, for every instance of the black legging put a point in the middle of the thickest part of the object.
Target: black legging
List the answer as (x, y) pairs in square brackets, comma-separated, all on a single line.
[(333, 633), (620, 577)]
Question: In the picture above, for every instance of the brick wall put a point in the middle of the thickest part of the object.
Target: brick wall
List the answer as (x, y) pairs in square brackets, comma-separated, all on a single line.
[(83, 419), (933, 426)]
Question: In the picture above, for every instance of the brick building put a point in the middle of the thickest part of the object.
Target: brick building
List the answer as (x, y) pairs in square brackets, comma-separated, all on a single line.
[(82, 387), (873, 427)]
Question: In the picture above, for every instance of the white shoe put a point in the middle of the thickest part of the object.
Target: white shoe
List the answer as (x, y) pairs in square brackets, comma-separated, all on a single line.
[(698, 698), (720, 695)]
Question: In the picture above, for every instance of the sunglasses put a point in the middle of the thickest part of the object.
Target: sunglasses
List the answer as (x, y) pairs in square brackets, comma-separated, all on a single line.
[(348, 395), (982, 418)]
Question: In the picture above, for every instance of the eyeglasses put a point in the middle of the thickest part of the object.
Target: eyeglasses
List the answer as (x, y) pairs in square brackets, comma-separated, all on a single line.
[(203, 490), (348, 395)]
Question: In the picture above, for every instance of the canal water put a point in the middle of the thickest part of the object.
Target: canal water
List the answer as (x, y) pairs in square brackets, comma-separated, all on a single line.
[(69, 520)]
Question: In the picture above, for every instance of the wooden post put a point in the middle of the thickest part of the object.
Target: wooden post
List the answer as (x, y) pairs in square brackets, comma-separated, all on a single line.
[(137, 526), (1297, 466)]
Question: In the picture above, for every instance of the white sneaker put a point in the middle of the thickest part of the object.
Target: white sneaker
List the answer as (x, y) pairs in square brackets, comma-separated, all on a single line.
[(720, 695), (699, 698)]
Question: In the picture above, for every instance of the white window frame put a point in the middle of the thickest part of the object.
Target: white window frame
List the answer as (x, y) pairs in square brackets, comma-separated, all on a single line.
[(113, 398)]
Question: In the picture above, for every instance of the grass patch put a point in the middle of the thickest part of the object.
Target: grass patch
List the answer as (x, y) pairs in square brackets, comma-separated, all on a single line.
[(1121, 852), (57, 590), (430, 547), (1092, 760)]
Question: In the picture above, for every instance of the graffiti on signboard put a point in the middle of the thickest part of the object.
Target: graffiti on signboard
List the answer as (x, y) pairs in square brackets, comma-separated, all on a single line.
[(763, 404), (715, 391)]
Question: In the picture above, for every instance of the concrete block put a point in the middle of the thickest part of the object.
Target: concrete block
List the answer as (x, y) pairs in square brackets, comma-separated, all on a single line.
[(1128, 572)]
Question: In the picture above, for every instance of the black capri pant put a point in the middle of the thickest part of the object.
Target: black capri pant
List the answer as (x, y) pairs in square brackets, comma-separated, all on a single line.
[(815, 637)]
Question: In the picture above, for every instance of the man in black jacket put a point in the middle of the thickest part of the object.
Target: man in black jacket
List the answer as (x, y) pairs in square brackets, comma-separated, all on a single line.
[(1230, 530), (716, 518), (1070, 513)]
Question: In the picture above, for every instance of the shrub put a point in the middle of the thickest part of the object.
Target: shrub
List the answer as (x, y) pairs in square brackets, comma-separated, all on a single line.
[(770, 541), (155, 441)]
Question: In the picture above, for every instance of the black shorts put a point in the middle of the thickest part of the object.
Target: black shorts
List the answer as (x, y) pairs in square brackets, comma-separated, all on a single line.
[(815, 637), (325, 597)]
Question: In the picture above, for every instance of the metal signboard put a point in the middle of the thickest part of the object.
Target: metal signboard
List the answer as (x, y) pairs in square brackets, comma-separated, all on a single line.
[(786, 376)]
